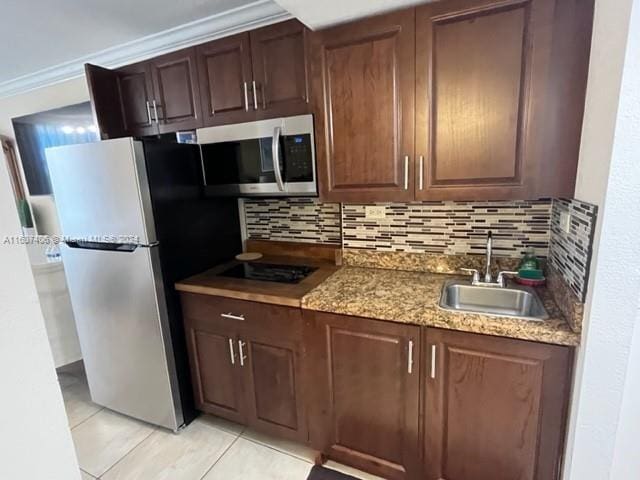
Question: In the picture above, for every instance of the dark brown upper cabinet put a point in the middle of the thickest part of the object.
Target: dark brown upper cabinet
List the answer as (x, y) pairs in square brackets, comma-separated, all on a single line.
[(225, 80), (363, 97), (279, 55), (136, 99), (499, 98), (259, 74), (105, 101), (176, 91), (485, 80), (494, 407)]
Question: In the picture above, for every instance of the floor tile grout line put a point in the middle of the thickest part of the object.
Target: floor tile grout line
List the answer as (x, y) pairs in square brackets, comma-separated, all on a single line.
[(128, 452), (220, 457), (256, 442), (87, 473), (90, 416)]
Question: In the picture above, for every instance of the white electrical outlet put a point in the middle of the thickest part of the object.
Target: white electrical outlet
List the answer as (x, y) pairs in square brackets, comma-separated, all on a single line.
[(375, 212), (565, 221)]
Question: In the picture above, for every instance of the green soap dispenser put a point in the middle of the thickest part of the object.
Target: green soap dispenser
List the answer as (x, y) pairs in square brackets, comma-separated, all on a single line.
[(530, 266)]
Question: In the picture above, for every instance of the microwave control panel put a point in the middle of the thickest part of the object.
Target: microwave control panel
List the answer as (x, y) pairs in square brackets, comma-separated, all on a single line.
[(298, 158)]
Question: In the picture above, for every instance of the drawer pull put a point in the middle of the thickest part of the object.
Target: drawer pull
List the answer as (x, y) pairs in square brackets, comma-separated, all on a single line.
[(231, 352), (243, 357), (433, 361), (231, 316), (410, 357)]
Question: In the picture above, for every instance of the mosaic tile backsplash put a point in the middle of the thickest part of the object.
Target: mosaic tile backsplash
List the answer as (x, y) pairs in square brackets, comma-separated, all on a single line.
[(570, 252), (293, 219), (451, 227)]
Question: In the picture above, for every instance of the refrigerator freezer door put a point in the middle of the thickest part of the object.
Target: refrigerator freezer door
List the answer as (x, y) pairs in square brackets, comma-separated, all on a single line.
[(118, 303), (101, 191)]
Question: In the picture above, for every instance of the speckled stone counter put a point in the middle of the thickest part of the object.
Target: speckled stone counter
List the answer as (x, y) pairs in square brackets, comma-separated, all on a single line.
[(412, 297)]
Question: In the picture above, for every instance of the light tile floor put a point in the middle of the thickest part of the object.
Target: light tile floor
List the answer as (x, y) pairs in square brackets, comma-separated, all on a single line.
[(111, 446)]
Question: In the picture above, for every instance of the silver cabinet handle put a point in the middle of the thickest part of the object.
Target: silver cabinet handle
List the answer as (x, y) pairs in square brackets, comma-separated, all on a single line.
[(149, 112), (155, 111), (421, 172), (255, 96), (232, 316), (241, 345), (410, 357), (275, 152), (231, 352), (406, 172), (246, 98), (433, 361)]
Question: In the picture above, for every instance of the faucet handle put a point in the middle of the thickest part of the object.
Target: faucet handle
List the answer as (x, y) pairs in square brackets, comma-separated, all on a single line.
[(502, 274), (474, 272)]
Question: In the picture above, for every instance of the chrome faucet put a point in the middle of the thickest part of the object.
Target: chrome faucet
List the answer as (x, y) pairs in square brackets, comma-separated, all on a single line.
[(488, 281), (487, 265)]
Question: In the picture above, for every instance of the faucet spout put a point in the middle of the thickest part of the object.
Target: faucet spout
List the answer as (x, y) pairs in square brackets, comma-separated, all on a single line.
[(487, 270)]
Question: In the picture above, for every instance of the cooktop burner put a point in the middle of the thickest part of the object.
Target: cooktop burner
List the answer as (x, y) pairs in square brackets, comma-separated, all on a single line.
[(269, 272)]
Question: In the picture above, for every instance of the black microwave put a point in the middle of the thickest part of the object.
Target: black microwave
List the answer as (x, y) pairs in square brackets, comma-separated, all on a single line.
[(274, 157)]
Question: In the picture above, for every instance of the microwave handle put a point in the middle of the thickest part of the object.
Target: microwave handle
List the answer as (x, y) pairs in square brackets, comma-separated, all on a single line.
[(275, 152)]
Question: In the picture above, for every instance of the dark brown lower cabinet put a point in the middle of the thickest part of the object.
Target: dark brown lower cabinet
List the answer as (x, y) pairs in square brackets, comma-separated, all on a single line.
[(396, 400), (247, 363), (494, 407), (364, 403)]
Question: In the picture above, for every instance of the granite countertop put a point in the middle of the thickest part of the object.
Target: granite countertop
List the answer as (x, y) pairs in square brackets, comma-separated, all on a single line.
[(413, 297)]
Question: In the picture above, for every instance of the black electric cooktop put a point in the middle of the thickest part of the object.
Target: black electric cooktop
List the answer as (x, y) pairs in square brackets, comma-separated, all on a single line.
[(269, 272)]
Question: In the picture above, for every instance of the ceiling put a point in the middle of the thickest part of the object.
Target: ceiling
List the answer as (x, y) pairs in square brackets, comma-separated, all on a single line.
[(39, 34), (323, 13)]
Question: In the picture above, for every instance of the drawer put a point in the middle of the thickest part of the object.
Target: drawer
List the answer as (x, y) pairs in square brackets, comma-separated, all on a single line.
[(242, 315)]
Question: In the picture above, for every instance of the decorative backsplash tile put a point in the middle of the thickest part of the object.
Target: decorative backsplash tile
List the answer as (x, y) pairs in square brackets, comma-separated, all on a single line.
[(293, 219), (570, 252), (451, 227)]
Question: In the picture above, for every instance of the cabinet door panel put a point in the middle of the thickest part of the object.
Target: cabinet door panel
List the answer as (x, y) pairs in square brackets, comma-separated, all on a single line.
[(279, 55), (136, 91), (214, 359), (105, 101), (365, 399), (176, 90), (495, 409), (224, 68), (478, 78), (275, 389), (364, 86)]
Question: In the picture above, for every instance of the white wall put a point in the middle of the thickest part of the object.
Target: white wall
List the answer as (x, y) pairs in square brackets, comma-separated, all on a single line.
[(35, 441), (604, 425), (54, 96)]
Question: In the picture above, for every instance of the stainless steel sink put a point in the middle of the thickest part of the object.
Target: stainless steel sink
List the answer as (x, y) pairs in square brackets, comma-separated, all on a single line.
[(518, 301)]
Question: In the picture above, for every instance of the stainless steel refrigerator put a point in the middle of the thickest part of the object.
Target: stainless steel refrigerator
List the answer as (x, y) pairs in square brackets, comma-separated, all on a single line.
[(134, 220)]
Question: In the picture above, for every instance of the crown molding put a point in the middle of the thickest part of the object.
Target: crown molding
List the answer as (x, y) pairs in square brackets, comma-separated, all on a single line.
[(246, 17)]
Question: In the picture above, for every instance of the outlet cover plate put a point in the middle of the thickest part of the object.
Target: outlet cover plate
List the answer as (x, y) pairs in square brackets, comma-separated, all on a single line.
[(375, 212), (565, 222)]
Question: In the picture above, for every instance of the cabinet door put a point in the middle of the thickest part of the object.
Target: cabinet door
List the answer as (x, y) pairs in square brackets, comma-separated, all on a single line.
[(494, 407), (105, 101), (224, 69), (363, 96), (136, 92), (365, 393), (273, 378), (176, 90), (480, 67), (215, 362), (280, 56)]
